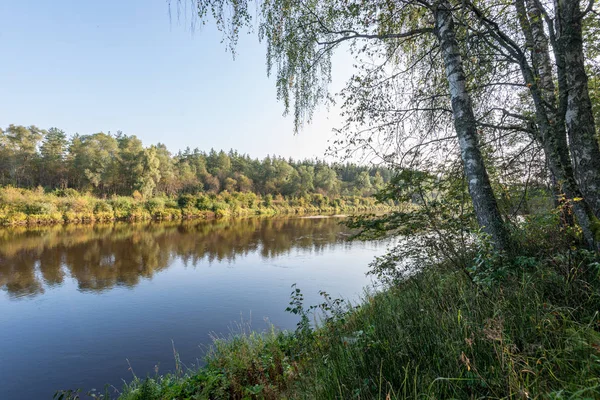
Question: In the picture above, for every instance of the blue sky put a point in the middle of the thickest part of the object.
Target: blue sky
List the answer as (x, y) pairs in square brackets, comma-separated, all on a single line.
[(90, 66)]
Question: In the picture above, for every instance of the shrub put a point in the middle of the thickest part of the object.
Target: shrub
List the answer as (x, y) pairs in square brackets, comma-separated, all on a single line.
[(155, 206), (172, 210), (139, 212), (122, 206), (251, 200), (137, 196), (40, 207), (103, 211), (204, 203), (186, 201), (171, 203), (77, 209), (319, 200), (13, 218), (221, 209), (268, 200)]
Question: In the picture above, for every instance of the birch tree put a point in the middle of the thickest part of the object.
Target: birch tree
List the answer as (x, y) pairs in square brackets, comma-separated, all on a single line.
[(579, 116), (301, 37), (559, 109)]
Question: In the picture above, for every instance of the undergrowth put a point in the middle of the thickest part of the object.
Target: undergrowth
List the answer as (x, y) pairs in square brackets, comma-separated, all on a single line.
[(532, 333), (524, 326), (37, 207)]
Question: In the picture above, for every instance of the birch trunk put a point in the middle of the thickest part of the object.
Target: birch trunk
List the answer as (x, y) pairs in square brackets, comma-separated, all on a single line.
[(480, 189), (550, 111), (579, 117)]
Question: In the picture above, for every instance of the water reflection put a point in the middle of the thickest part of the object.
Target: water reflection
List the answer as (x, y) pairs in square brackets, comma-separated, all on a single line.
[(100, 257)]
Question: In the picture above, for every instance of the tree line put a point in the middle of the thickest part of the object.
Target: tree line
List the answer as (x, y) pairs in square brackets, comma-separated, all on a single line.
[(119, 164)]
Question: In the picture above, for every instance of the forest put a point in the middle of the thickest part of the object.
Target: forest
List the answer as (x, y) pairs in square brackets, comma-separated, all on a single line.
[(119, 164), (46, 177)]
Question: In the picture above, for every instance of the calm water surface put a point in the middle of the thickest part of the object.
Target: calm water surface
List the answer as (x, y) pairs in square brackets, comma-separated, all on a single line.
[(76, 302)]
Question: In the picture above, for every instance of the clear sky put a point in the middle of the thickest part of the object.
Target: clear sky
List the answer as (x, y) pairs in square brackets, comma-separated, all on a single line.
[(90, 66)]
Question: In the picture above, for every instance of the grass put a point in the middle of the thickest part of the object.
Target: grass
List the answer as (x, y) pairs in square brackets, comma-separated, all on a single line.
[(533, 334), (35, 207)]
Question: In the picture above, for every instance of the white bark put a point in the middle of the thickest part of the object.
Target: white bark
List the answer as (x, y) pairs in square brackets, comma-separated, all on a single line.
[(480, 188)]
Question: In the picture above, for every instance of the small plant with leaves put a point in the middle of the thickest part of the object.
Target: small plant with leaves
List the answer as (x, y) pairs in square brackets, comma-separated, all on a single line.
[(489, 267)]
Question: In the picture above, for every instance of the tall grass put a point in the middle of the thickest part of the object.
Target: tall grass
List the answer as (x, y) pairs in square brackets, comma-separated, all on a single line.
[(437, 335), (29, 207)]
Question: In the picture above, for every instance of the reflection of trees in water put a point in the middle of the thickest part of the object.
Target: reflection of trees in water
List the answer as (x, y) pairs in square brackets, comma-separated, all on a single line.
[(100, 257)]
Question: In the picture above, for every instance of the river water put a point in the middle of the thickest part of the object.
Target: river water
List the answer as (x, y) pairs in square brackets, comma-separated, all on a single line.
[(79, 305)]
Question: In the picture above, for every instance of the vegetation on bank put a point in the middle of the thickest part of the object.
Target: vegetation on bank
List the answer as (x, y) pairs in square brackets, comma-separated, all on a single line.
[(485, 326), (23, 206), (435, 336)]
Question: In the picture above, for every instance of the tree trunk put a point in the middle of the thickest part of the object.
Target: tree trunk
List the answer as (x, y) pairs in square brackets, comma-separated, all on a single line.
[(579, 117), (550, 111), (555, 148), (560, 202), (480, 189)]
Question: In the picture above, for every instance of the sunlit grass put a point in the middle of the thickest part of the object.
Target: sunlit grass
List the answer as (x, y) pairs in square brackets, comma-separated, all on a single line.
[(33, 207)]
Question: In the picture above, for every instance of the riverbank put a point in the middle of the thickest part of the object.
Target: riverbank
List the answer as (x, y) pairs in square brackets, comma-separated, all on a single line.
[(35, 207), (534, 334)]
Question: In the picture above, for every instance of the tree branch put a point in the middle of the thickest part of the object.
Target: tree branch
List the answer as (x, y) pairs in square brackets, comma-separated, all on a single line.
[(350, 34)]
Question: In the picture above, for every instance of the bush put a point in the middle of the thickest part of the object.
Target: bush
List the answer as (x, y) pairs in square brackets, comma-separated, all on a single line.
[(123, 207), (268, 200), (171, 203), (186, 201), (204, 203), (221, 209), (250, 200), (338, 203), (40, 208), (156, 207), (319, 200), (77, 209), (103, 211), (13, 218), (22, 206)]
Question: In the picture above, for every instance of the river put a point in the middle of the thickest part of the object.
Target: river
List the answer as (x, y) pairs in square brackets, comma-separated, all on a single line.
[(81, 304)]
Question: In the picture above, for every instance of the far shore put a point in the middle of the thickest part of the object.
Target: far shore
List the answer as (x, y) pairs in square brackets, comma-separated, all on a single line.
[(23, 207)]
